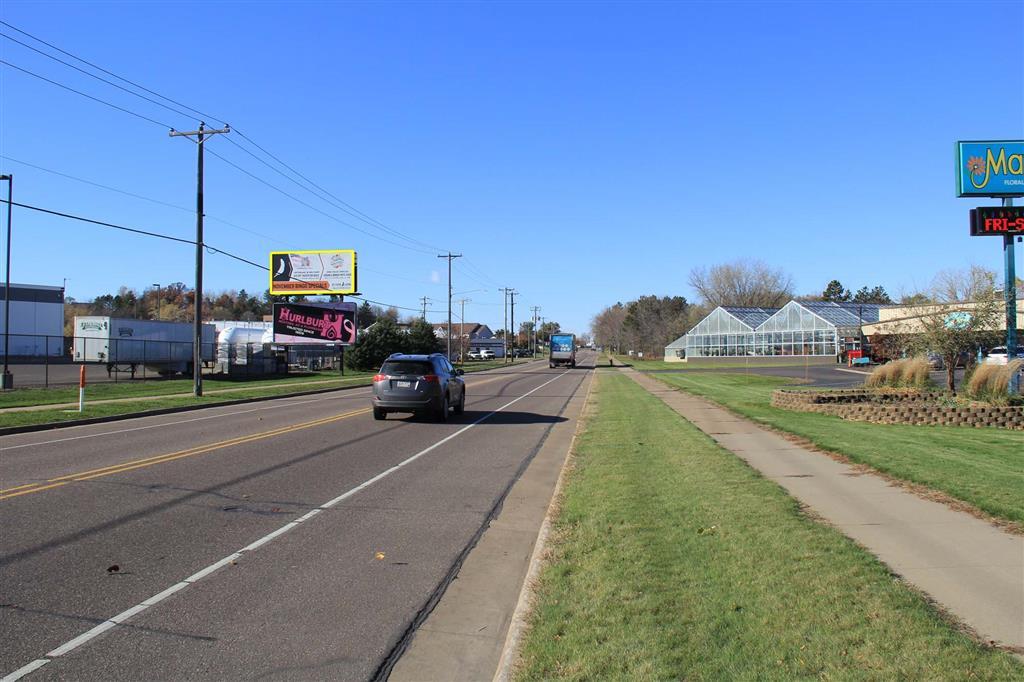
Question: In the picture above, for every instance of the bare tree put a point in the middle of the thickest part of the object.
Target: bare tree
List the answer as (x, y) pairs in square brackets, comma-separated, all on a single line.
[(971, 284), (746, 283)]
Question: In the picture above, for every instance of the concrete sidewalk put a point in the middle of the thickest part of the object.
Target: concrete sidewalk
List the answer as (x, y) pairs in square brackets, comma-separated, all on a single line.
[(972, 569)]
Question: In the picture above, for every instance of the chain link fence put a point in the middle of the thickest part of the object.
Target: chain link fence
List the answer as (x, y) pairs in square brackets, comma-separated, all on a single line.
[(37, 360)]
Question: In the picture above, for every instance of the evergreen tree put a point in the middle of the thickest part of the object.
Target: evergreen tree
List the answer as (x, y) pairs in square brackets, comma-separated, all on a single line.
[(376, 345), (835, 292), (366, 315), (421, 338)]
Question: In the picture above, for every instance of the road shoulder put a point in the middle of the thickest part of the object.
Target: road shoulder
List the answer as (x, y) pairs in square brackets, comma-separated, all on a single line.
[(464, 638)]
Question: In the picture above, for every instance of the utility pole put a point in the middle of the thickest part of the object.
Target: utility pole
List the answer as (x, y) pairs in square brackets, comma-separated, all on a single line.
[(424, 300), (450, 256), (504, 291), (7, 381), (197, 348), (512, 319), (462, 330), (535, 310)]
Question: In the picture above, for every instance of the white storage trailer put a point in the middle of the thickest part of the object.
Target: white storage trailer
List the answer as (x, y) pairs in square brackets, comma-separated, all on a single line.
[(247, 351), (124, 344)]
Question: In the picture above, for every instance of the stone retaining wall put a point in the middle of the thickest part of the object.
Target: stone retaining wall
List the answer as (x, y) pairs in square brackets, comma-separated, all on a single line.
[(898, 407)]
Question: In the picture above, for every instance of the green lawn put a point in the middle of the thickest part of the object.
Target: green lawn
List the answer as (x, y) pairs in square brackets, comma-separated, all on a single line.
[(984, 467), (671, 559), (133, 389)]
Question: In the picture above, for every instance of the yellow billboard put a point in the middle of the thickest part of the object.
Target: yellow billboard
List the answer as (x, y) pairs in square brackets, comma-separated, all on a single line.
[(313, 272)]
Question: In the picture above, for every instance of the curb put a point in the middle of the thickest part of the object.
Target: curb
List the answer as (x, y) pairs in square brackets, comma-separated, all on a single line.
[(517, 624), (32, 428)]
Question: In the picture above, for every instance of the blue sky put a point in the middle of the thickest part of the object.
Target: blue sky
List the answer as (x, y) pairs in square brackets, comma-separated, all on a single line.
[(582, 153)]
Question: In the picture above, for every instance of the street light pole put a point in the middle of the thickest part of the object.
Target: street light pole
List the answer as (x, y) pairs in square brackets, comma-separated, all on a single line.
[(157, 300), (7, 381)]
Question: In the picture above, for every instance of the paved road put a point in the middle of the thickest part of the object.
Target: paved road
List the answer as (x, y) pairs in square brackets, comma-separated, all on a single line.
[(370, 518)]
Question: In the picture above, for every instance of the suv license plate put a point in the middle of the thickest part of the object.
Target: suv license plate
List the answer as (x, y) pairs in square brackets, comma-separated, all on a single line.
[(403, 384)]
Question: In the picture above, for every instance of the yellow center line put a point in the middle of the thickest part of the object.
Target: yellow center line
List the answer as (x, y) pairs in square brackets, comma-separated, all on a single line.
[(167, 457), (49, 484)]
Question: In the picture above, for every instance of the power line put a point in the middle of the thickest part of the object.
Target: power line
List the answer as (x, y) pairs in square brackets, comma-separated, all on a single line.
[(275, 240), (137, 196), (312, 207), (318, 196), (344, 206), (352, 210), (110, 73), (340, 205), (79, 92), (149, 233), (99, 78)]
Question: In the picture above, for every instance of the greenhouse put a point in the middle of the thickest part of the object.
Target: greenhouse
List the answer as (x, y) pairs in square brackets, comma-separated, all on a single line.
[(812, 328)]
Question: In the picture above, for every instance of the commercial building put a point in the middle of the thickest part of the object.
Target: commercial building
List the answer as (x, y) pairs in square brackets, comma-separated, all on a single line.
[(816, 330), (37, 320)]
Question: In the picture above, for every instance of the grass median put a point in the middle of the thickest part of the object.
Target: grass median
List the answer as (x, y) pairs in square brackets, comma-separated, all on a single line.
[(983, 467), (672, 559)]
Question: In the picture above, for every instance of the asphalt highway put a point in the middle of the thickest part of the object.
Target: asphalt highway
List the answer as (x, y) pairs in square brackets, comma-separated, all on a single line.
[(295, 539)]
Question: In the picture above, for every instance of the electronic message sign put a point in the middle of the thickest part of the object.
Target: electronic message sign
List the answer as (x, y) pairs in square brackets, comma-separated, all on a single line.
[(998, 221), (313, 272), (990, 169)]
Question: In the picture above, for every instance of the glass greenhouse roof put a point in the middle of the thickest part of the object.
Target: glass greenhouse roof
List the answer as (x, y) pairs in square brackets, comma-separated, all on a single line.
[(843, 314), (752, 317)]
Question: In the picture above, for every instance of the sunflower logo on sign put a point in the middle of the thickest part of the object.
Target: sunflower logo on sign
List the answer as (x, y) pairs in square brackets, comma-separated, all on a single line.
[(976, 165)]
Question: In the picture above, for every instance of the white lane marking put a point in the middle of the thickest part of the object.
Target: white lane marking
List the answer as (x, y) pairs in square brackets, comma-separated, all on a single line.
[(25, 670), (156, 426), (81, 639), (203, 573)]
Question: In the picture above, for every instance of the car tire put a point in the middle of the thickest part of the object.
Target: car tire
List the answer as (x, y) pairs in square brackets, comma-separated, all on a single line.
[(379, 414), (551, 365), (442, 414), (461, 407)]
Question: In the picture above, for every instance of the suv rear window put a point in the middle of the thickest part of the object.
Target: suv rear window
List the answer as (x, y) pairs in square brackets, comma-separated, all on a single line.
[(401, 367)]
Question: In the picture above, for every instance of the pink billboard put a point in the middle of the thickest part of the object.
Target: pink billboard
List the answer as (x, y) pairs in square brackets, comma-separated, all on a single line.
[(315, 323)]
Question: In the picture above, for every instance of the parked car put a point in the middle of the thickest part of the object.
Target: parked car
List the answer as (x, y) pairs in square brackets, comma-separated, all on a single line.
[(999, 356), (487, 354), (522, 353), (473, 354), (421, 384)]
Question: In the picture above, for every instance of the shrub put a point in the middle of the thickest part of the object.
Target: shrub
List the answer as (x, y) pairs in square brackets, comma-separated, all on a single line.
[(1000, 383), (911, 372), (884, 375), (978, 385), (915, 372), (992, 382)]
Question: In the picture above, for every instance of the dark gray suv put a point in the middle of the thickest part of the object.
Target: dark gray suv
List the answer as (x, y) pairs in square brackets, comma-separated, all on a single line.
[(422, 384)]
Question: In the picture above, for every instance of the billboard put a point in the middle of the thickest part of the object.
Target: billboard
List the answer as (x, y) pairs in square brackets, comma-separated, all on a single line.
[(315, 323), (313, 272), (990, 169)]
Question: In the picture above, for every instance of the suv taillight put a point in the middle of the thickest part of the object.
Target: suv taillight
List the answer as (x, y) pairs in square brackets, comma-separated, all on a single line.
[(380, 377), (430, 379)]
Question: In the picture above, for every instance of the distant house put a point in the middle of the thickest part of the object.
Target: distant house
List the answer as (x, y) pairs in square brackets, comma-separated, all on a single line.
[(466, 330)]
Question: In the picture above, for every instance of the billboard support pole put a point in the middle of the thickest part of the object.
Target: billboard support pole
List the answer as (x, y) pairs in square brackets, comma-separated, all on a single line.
[(197, 348), (1010, 296)]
